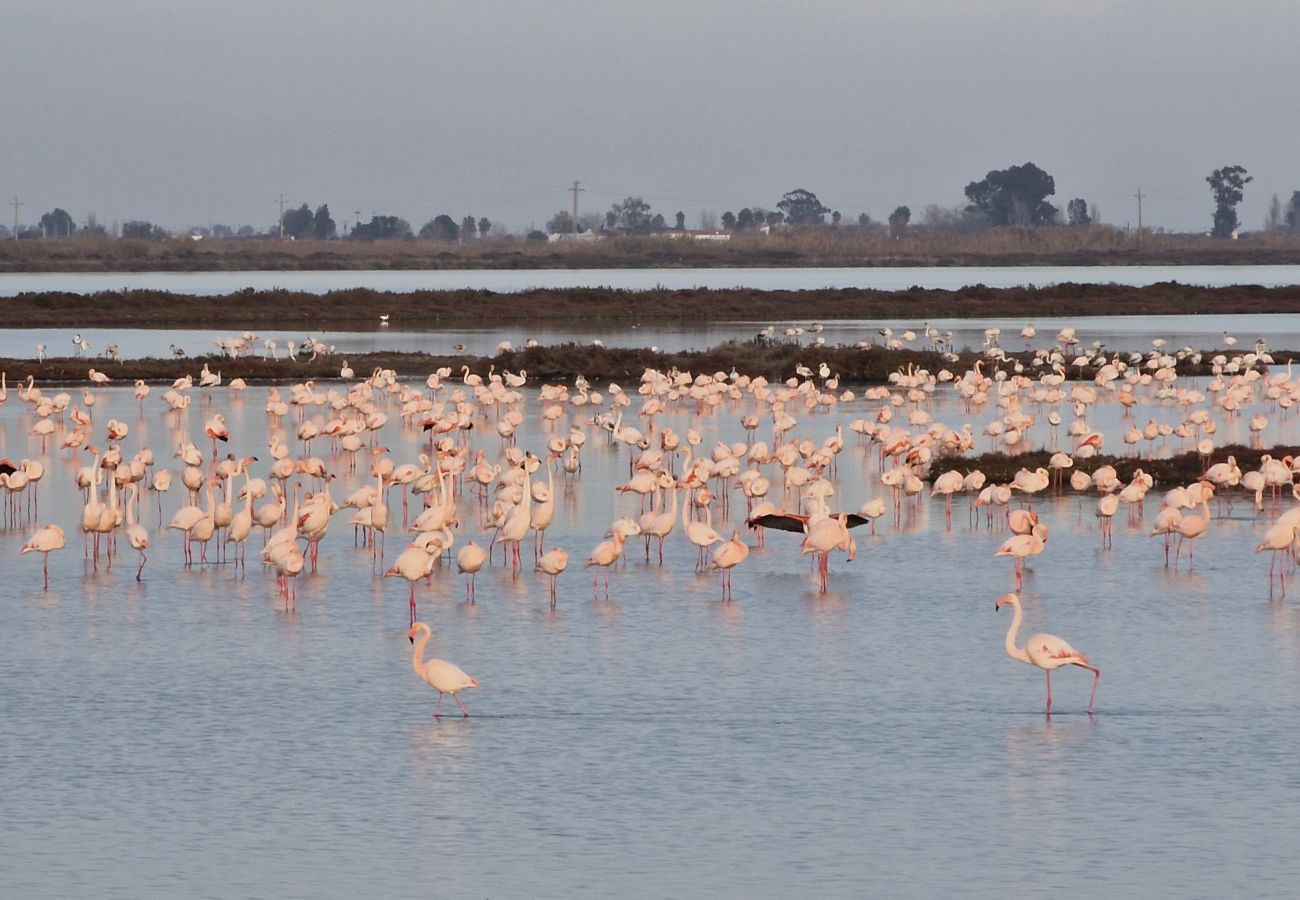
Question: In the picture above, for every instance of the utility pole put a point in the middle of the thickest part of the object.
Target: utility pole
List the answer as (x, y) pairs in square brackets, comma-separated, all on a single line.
[(1139, 200), (15, 204), (282, 217), (575, 190)]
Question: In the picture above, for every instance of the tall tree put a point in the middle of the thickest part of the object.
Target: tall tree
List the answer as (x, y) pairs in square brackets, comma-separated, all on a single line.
[(322, 225), (468, 228), (801, 207), (57, 223), (298, 223), (744, 219), (1076, 212), (681, 221), (1292, 218), (730, 220), (1228, 187), (484, 226), (441, 228), (1014, 196), (898, 221)]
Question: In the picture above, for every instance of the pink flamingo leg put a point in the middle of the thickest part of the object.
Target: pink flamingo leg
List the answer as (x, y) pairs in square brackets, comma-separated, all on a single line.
[(1096, 678), (437, 707), (1049, 690), (461, 705)]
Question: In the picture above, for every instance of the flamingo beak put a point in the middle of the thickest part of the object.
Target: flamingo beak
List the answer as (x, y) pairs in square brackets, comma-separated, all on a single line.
[(410, 638)]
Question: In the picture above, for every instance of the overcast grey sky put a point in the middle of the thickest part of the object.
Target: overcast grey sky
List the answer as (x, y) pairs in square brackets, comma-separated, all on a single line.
[(186, 114)]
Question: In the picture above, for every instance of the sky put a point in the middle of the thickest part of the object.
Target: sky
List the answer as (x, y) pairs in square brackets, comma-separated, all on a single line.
[(192, 114)]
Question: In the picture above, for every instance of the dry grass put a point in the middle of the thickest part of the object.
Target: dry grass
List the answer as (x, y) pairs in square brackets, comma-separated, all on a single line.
[(844, 246)]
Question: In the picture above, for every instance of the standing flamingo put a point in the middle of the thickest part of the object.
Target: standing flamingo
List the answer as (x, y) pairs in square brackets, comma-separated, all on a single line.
[(45, 541), (468, 561), (552, 563), (726, 556), (1047, 651), (1022, 546), (442, 676)]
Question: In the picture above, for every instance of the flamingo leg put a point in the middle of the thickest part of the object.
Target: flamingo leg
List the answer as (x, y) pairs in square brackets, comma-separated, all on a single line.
[(463, 710), (1096, 679), (143, 559), (1049, 690), (437, 707)]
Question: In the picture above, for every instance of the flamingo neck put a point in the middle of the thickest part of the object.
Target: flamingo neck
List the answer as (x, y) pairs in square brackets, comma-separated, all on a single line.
[(1012, 650), (417, 655)]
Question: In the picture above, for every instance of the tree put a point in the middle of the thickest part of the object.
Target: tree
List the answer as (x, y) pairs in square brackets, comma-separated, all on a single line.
[(801, 207), (57, 223), (484, 226), (381, 228), (298, 223), (864, 220), (681, 221), (632, 216), (708, 219), (1077, 212), (745, 219), (560, 223), (729, 220), (1228, 187), (657, 223), (898, 221), (143, 231), (468, 228), (322, 226), (1292, 218), (1014, 196), (1273, 219), (441, 228), (835, 217), (536, 235)]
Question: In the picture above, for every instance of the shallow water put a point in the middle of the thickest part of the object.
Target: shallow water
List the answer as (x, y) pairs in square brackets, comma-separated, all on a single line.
[(187, 735), (1126, 333), (759, 278)]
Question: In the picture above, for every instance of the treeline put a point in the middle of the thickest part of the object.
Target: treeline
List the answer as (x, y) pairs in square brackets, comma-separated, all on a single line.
[(1017, 196)]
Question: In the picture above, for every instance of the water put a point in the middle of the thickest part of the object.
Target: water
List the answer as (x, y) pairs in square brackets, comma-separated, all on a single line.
[(1127, 333), (880, 278), (186, 735)]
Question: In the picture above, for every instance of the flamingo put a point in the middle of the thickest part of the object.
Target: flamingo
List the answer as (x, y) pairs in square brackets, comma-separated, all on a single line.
[(1047, 651), (605, 555), (136, 534), (468, 561), (1191, 527), (1022, 546), (552, 563), (413, 563), (442, 676), (1278, 538), (45, 541), (726, 556)]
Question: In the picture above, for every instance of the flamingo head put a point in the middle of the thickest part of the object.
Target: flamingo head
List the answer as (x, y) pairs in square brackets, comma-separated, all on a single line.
[(415, 629), (1005, 599)]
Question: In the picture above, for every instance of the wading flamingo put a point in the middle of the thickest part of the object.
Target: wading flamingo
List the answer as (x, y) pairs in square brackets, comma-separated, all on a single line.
[(46, 541), (442, 676), (1047, 651)]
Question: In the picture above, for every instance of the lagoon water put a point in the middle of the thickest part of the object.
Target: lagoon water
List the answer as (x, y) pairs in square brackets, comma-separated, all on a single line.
[(758, 278), (187, 736), (1126, 333)]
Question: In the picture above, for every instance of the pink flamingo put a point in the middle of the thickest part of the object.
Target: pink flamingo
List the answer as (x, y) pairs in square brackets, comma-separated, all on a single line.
[(1047, 651), (442, 676)]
